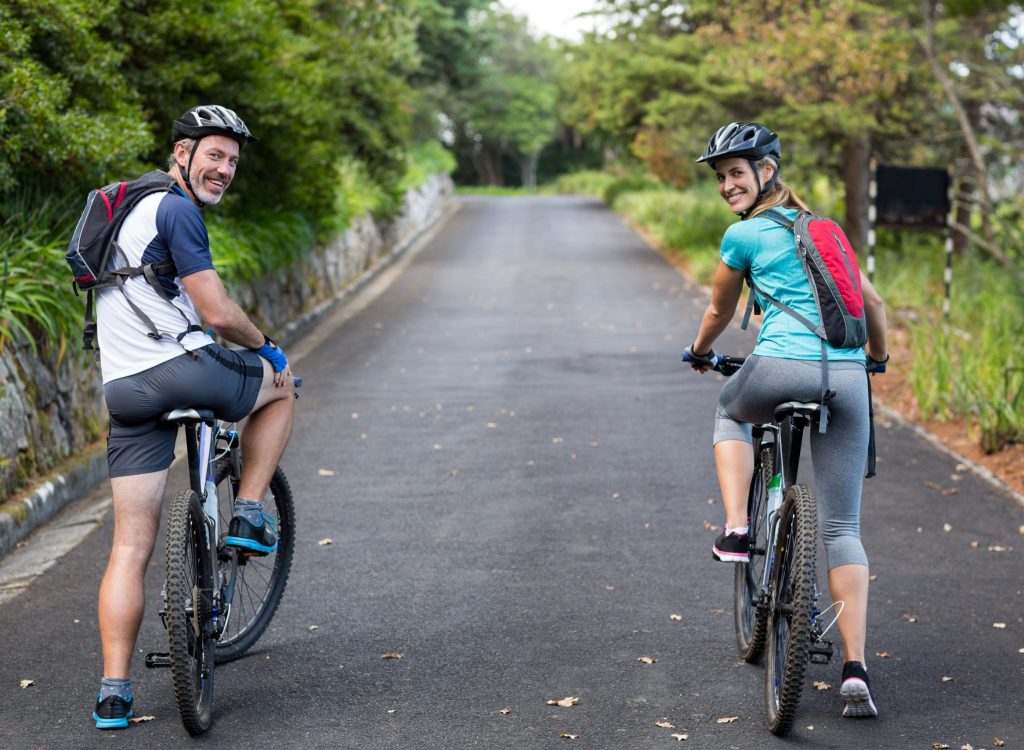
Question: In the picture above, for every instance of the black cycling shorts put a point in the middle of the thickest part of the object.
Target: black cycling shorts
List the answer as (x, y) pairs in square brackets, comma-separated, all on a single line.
[(226, 381)]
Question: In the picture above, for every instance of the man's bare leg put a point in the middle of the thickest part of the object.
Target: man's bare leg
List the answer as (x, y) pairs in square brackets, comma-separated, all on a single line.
[(266, 434), (137, 503)]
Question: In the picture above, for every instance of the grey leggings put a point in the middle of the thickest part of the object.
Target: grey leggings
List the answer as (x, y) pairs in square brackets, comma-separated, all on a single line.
[(839, 454)]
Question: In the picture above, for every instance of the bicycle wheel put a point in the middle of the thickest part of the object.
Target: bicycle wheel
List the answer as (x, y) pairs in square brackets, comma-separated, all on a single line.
[(252, 587), (789, 626), (189, 607), (752, 622)]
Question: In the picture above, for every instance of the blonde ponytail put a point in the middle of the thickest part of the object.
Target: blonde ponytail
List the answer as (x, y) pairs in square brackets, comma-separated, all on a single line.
[(781, 194)]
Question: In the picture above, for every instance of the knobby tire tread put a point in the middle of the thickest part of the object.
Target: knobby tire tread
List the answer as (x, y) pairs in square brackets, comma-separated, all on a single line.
[(195, 702), (794, 583)]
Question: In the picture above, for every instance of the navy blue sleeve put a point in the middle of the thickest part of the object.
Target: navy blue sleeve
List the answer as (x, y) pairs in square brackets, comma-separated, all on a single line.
[(181, 226)]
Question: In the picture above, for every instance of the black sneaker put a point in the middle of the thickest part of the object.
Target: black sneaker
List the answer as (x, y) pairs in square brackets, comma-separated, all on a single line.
[(256, 539), (856, 691), (731, 547), (112, 712)]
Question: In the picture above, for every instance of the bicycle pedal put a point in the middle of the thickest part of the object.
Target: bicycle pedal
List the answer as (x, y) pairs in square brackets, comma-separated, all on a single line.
[(820, 652), (158, 660)]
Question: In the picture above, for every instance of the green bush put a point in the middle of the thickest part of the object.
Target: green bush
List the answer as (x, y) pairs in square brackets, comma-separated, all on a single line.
[(587, 182), (630, 184)]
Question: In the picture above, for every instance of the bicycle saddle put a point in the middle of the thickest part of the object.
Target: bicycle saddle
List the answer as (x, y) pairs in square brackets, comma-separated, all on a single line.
[(790, 408), (189, 416)]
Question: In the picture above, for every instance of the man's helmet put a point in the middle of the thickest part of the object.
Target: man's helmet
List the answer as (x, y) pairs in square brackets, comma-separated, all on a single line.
[(745, 140), (211, 119)]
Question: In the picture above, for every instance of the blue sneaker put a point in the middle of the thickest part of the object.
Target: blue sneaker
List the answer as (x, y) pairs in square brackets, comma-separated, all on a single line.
[(259, 539), (112, 712)]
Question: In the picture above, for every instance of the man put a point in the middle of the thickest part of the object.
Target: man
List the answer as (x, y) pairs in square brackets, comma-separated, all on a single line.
[(146, 374)]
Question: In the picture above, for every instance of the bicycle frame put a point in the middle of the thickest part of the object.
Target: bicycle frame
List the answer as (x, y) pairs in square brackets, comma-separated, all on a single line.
[(201, 444)]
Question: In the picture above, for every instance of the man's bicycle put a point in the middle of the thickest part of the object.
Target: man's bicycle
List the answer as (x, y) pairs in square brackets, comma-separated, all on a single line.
[(775, 594), (217, 600)]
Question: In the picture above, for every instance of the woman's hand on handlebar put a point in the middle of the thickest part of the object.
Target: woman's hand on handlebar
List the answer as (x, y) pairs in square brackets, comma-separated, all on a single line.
[(876, 366), (701, 362)]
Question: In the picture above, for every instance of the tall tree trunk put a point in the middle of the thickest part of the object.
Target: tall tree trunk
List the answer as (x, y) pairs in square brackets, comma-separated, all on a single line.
[(856, 177), (528, 170), (970, 138)]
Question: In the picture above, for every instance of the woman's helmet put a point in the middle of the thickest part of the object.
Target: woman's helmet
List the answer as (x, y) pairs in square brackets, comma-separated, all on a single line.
[(211, 119), (745, 140)]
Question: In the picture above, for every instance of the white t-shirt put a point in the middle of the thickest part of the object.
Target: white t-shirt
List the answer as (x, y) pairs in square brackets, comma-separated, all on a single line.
[(161, 225)]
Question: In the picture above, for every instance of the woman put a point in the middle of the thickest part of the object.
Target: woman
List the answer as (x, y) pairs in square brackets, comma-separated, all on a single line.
[(786, 365)]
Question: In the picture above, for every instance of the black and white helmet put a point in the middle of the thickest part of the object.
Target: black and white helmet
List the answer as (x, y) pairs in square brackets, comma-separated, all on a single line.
[(744, 140), (211, 119)]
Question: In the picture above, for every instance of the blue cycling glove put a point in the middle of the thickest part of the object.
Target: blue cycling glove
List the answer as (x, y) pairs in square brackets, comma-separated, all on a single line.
[(273, 354)]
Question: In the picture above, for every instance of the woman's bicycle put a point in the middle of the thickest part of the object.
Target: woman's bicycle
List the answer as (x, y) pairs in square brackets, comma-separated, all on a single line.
[(776, 593), (217, 600)]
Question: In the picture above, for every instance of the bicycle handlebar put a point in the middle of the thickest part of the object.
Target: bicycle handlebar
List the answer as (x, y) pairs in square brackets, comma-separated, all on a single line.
[(719, 363)]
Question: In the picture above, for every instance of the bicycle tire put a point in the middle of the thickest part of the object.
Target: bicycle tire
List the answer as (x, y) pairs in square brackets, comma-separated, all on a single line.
[(189, 608), (751, 621), (259, 581), (789, 627)]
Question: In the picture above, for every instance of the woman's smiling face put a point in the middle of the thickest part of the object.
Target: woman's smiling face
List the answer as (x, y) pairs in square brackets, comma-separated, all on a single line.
[(738, 184)]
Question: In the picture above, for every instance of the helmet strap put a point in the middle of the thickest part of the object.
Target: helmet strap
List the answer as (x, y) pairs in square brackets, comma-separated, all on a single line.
[(188, 171), (761, 190)]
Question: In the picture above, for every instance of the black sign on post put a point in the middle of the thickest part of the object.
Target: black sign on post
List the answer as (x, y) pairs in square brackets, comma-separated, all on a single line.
[(911, 198)]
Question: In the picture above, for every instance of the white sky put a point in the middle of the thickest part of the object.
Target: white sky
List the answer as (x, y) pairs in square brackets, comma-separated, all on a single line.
[(554, 17)]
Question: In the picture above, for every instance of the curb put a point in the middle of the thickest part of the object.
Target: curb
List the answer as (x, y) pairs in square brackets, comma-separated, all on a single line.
[(84, 472), (57, 490), (980, 471)]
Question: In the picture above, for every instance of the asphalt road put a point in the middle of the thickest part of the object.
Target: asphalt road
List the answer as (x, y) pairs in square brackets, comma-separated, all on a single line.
[(522, 489)]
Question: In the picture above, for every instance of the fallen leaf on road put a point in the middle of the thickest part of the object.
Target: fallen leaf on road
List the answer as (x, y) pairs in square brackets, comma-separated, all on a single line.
[(314, 627), (950, 491), (325, 542), (974, 544), (647, 660), (664, 724), (326, 473), (492, 425), (947, 679), (727, 719), (615, 496), (557, 440), (946, 527), (933, 485), (810, 727), (355, 415), (821, 685), (565, 702), (27, 683), (967, 746), (1021, 529), (910, 618), (1000, 625), (505, 711), (680, 737), (882, 654), (677, 618), (999, 548), (998, 742), (392, 655), (140, 719), (567, 736), (437, 446), (940, 746), (710, 526), (718, 611), (610, 588)]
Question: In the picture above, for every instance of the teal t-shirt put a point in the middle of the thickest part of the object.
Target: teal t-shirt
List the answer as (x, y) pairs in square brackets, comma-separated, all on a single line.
[(767, 251)]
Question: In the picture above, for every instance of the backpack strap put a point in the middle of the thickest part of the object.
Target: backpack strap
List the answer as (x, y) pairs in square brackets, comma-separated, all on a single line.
[(818, 330), (871, 431)]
